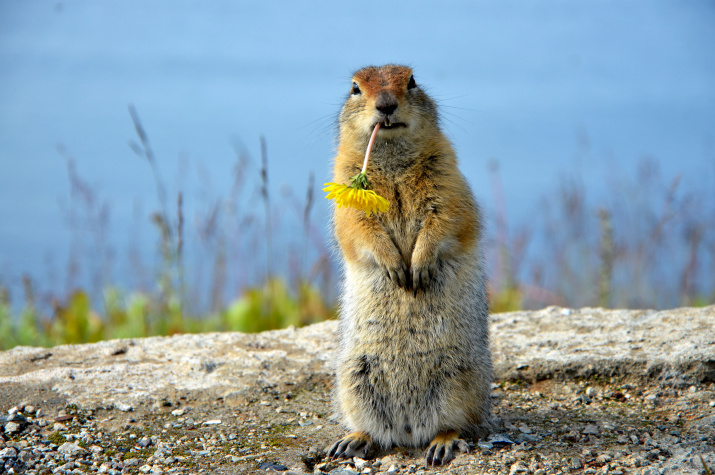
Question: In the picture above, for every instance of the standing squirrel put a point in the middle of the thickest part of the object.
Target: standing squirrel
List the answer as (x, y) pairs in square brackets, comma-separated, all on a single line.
[(413, 364)]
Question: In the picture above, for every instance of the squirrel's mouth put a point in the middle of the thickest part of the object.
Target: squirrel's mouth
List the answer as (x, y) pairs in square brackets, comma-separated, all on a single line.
[(386, 124)]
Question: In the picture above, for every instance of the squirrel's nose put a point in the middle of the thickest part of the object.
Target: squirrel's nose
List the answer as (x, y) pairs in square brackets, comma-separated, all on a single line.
[(386, 103)]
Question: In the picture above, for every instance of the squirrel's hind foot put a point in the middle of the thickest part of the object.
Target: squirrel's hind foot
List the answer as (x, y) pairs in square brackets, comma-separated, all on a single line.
[(441, 449), (355, 444)]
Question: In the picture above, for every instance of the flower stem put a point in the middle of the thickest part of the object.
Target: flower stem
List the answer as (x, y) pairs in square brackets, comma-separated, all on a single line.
[(369, 147)]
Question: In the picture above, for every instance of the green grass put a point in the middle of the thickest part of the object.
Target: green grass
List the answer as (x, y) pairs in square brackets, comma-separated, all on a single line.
[(138, 315)]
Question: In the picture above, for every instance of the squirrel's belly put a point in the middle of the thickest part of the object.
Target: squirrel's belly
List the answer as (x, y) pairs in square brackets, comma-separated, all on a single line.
[(405, 397), (397, 399)]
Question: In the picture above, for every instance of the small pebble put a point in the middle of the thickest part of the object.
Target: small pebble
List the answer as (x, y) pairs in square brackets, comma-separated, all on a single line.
[(519, 468), (8, 453), (144, 442), (124, 407), (499, 440), (72, 449), (25, 456), (272, 466), (12, 427), (360, 463), (343, 471)]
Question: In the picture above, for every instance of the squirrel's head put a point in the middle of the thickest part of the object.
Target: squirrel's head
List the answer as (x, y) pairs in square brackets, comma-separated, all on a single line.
[(388, 95)]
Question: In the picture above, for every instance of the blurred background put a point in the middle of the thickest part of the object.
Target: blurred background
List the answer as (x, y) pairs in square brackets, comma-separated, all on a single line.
[(161, 162)]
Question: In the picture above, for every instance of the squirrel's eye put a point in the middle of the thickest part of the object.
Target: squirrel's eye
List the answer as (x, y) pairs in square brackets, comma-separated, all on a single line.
[(355, 89), (412, 84)]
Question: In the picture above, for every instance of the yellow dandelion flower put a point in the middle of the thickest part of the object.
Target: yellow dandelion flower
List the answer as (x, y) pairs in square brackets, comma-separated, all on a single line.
[(358, 193), (353, 197)]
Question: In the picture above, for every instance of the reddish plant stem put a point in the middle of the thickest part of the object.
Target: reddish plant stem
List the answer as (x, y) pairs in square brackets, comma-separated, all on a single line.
[(369, 147)]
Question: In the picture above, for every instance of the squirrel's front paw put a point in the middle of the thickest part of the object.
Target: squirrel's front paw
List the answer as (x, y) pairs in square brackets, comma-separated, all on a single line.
[(398, 274), (422, 273)]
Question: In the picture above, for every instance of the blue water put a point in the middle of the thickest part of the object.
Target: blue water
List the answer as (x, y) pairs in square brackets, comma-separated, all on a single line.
[(548, 89)]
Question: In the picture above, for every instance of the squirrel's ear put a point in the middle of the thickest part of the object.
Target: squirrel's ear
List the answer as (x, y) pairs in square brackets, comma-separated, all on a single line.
[(355, 89), (412, 84)]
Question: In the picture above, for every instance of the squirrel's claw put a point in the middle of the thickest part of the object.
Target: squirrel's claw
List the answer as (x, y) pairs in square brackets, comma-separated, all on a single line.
[(441, 449), (421, 277), (399, 275), (355, 444)]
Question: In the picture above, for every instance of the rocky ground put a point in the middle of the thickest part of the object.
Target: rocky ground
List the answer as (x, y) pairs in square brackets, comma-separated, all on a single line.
[(578, 391)]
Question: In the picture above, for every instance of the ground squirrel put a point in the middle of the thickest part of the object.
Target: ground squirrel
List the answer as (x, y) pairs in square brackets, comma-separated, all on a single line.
[(413, 364)]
